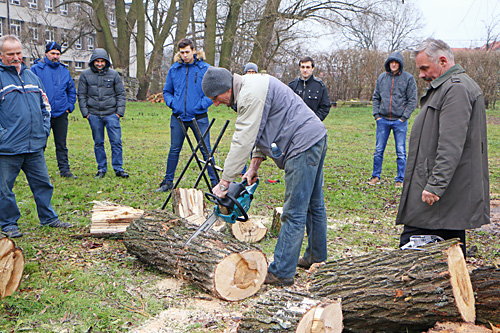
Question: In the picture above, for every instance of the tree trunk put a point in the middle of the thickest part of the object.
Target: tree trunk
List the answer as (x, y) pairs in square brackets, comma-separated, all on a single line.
[(183, 17), (11, 267), (229, 32), (486, 286), (228, 269), (283, 310), (397, 291), (210, 30)]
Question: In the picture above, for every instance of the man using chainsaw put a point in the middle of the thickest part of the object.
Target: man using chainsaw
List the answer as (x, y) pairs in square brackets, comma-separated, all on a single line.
[(275, 122)]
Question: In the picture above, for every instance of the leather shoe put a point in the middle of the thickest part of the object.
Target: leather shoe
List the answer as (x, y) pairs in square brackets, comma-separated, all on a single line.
[(12, 232), (68, 175), (99, 175), (277, 281), (58, 224), (122, 174), (303, 263), (165, 186)]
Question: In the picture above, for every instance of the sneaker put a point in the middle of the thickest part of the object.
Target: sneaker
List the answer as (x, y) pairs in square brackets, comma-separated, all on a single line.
[(303, 263), (100, 174), (398, 184), (58, 224), (122, 174), (374, 181), (68, 175), (277, 281), (12, 232), (165, 186)]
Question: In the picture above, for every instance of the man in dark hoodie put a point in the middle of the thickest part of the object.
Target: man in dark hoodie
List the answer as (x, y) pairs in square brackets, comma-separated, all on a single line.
[(101, 97), (394, 100)]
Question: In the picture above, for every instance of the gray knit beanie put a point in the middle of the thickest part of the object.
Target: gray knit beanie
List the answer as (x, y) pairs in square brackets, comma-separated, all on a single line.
[(251, 65), (216, 81)]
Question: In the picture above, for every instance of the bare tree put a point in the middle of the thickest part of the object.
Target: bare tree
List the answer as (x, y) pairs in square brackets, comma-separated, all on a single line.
[(492, 28)]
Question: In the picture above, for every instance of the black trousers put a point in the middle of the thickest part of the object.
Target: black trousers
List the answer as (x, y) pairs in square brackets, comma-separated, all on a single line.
[(59, 127), (444, 233)]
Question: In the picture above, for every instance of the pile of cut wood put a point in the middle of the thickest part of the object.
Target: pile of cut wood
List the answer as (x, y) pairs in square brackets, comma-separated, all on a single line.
[(156, 98)]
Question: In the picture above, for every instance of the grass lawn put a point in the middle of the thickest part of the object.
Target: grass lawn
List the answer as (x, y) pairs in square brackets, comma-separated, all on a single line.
[(89, 284)]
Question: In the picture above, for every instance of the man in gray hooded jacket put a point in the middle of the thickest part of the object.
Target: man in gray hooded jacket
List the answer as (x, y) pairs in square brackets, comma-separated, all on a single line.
[(394, 100), (101, 97)]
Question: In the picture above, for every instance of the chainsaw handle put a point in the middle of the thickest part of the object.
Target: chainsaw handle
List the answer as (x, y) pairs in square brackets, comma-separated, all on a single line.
[(212, 198), (224, 202)]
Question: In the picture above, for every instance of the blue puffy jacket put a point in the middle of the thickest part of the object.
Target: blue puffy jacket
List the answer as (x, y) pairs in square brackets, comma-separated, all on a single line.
[(182, 92), (58, 84), (24, 112)]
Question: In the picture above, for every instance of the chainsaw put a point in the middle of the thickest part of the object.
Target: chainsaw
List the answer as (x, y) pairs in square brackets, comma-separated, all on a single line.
[(419, 240), (233, 207)]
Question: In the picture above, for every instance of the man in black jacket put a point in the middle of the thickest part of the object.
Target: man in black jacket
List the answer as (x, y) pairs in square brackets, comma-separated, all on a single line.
[(101, 97), (312, 90)]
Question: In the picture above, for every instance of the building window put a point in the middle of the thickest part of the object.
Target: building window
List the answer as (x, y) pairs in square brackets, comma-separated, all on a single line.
[(15, 27), (90, 43), (65, 62), (34, 35), (78, 43), (49, 6), (15, 2), (63, 8), (112, 17), (49, 36), (1, 28), (33, 4), (78, 64)]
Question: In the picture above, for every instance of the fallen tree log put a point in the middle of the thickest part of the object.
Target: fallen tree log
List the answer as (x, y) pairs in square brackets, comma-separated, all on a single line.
[(486, 286), (283, 310), (224, 267), (399, 291), (11, 267)]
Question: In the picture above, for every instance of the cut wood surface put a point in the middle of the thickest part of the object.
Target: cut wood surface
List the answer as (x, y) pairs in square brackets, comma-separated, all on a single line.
[(276, 225), (486, 286), (188, 201), (323, 318), (399, 291), (250, 231), (108, 217), (458, 328), (227, 268), (11, 267)]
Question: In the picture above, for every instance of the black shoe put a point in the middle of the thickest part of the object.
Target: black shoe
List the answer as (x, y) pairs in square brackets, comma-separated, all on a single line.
[(122, 174), (165, 186), (58, 224), (99, 175), (277, 281), (12, 232), (303, 263), (68, 175)]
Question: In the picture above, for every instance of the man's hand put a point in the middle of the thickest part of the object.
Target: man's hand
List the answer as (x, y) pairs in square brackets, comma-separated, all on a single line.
[(251, 176), (218, 191), (429, 197)]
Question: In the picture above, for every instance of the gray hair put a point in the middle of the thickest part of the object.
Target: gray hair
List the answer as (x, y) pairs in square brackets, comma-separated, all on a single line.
[(7, 38), (435, 48)]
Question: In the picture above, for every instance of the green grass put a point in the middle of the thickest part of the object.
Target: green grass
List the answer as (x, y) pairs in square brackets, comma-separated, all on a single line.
[(80, 284)]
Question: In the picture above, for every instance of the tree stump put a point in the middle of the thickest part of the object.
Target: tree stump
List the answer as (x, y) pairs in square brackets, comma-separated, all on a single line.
[(486, 286), (283, 310), (399, 291), (226, 268), (251, 231), (11, 267), (187, 202), (276, 225)]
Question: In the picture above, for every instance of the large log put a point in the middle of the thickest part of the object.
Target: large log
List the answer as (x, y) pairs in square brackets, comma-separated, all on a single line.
[(11, 267), (486, 286), (227, 268), (283, 310), (399, 291)]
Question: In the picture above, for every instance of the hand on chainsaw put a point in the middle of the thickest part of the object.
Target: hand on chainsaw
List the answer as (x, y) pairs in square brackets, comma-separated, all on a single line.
[(218, 191)]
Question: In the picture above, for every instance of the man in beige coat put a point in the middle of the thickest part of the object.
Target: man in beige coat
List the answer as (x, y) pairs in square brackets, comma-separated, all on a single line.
[(446, 184)]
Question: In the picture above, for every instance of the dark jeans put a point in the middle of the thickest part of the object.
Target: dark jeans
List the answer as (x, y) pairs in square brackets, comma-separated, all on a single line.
[(35, 169), (59, 127), (177, 140), (443, 233), (112, 124)]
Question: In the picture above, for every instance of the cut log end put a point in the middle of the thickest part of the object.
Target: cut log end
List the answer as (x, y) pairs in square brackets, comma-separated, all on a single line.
[(11, 267), (324, 318), (461, 283), (251, 231), (240, 275)]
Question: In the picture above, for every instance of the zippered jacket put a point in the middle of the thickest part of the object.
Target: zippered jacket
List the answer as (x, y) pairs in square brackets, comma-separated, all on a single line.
[(395, 95), (59, 85), (101, 93), (182, 92), (24, 112), (314, 92)]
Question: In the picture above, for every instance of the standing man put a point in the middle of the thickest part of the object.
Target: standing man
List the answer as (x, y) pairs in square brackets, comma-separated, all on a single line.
[(61, 92), (24, 128), (446, 187), (312, 90), (394, 100), (101, 97), (183, 94), (269, 112)]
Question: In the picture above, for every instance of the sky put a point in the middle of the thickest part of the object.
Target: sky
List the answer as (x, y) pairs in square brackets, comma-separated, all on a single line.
[(460, 23)]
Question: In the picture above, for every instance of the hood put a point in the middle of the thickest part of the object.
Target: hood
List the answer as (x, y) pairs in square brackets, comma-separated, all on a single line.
[(198, 55), (394, 56), (99, 54)]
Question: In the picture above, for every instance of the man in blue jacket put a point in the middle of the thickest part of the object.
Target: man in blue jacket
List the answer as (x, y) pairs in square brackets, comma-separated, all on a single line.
[(394, 100), (61, 92), (24, 128), (183, 94)]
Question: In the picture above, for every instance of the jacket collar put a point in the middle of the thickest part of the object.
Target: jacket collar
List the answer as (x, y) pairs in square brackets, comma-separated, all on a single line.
[(13, 68), (456, 69), (309, 79), (237, 82)]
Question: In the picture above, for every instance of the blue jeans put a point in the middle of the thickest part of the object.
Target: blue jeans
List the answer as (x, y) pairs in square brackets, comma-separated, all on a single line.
[(303, 199), (112, 124), (35, 169), (177, 140), (384, 128)]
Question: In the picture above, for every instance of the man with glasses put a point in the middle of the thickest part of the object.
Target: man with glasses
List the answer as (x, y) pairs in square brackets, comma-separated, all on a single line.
[(311, 89)]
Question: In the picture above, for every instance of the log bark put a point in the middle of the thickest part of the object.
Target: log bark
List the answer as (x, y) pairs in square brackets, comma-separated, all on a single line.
[(226, 268), (283, 310), (11, 267), (486, 286), (398, 291), (251, 231), (187, 202)]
